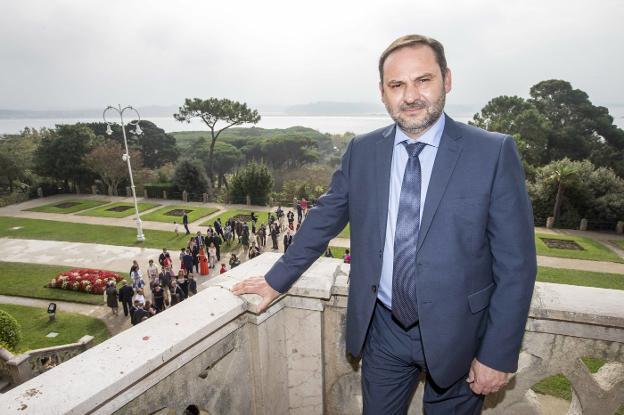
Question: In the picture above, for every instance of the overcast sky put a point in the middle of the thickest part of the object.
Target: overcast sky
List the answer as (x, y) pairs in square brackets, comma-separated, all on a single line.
[(87, 54)]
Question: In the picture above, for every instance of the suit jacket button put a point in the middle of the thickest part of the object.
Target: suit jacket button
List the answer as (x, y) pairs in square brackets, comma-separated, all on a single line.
[(374, 288)]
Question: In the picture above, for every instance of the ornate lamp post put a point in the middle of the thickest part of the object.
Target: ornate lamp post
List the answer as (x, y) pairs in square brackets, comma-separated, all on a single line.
[(126, 156)]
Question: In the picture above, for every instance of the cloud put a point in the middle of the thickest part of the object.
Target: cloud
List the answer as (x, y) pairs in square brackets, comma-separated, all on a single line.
[(72, 54)]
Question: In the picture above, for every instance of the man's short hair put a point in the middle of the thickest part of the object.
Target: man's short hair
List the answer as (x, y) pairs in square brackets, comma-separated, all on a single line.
[(414, 40)]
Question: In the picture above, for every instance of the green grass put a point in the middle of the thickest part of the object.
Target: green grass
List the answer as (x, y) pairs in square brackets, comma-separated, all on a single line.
[(337, 251), (592, 249), (194, 214), (559, 386), (29, 280), (262, 216), (346, 232), (82, 205), (582, 278), (80, 232), (70, 327), (104, 211), (619, 244)]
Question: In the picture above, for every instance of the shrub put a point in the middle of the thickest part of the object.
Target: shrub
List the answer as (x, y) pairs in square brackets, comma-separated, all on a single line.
[(10, 330)]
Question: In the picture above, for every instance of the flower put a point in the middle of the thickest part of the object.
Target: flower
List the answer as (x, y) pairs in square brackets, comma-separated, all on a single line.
[(85, 280)]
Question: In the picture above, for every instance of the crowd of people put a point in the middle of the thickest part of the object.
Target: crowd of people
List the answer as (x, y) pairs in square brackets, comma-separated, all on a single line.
[(202, 257)]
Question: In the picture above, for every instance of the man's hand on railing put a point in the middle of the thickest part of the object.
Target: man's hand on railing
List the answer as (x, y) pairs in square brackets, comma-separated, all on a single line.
[(259, 286)]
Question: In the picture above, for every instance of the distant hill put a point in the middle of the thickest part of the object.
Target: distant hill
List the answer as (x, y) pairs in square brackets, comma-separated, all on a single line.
[(329, 108)]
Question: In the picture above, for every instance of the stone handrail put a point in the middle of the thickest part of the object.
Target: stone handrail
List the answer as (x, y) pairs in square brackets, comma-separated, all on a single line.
[(20, 368), (214, 354)]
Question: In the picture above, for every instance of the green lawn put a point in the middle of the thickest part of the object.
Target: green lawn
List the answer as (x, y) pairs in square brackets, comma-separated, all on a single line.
[(592, 249), (346, 232), (81, 204), (582, 278), (69, 326), (105, 212), (560, 387), (194, 213), (79, 232), (337, 251), (29, 280), (619, 243), (262, 216)]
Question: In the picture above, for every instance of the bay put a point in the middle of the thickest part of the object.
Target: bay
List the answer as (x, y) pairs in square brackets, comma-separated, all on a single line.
[(324, 124)]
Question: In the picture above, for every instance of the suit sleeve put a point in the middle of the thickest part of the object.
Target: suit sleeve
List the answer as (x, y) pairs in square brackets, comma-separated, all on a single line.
[(511, 235), (323, 223)]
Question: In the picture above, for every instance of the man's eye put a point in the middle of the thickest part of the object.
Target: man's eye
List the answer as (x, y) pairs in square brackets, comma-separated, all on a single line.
[(425, 80)]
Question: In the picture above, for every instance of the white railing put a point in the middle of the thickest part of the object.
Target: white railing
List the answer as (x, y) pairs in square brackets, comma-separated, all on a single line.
[(213, 353)]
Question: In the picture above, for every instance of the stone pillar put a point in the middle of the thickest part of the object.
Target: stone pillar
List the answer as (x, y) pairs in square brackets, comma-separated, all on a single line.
[(164, 194), (77, 189), (583, 225), (39, 192), (205, 197), (94, 189), (185, 196), (550, 222), (248, 200), (128, 191), (619, 227), (145, 195)]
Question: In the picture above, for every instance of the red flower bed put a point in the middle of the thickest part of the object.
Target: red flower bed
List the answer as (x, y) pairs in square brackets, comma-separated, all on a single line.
[(86, 280)]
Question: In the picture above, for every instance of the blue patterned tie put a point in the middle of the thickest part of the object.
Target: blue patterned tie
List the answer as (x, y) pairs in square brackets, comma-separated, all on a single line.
[(404, 305)]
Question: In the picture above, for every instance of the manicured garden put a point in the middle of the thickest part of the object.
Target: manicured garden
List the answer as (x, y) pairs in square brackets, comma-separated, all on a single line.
[(31, 280), (174, 213), (118, 210), (69, 206), (35, 325), (582, 278), (22, 228), (224, 216), (591, 249)]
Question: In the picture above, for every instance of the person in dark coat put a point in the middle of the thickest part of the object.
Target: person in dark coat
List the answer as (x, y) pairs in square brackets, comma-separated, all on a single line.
[(185, 222), (218, 228), (159, 298), (125, 297), (111, 298), (187, 260)]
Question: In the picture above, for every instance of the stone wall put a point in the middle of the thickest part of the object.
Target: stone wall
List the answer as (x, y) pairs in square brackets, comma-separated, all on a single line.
[(20, 368), (214, 354)]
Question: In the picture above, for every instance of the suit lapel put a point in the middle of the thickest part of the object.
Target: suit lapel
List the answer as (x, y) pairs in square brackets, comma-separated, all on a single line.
[(450, 148), (383, 163)]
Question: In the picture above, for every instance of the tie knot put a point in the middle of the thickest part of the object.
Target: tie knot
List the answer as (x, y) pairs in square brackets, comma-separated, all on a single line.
[(413, 149)]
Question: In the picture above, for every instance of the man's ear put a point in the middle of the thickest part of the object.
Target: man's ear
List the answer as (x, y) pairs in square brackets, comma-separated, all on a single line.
[(381, 91), (448, 81)]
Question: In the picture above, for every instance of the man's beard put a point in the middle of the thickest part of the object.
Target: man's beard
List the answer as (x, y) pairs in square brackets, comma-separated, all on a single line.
[(432, 113)]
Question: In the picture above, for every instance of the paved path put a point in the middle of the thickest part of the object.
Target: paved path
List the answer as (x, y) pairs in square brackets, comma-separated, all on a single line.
[(127, 222)]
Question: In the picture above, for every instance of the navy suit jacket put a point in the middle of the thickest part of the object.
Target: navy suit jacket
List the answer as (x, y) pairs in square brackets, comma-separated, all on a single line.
[(475, 257)]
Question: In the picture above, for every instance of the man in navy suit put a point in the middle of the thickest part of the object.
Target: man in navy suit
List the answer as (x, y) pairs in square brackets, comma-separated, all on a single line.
[(442, 235)]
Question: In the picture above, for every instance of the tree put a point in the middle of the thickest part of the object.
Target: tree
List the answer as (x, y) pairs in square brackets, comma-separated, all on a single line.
[(255, 181), (521, 119), (580, 129), (214, 110), (105, 160), (10, 169), (226, 158), (61, 152), (157, 147), (190, 176)]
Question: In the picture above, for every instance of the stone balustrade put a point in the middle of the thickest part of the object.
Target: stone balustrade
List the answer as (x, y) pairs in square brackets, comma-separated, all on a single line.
[(17, 369), (214, 354)]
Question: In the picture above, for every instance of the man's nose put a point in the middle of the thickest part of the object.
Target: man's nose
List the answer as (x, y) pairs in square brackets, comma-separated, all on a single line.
[(412, 93)]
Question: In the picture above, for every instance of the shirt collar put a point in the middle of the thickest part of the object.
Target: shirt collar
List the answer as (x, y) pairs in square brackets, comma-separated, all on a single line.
[(431, 137)]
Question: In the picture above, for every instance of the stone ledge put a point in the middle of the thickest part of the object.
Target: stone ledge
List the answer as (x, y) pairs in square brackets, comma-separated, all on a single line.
[(588, 305), (116, 364)]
